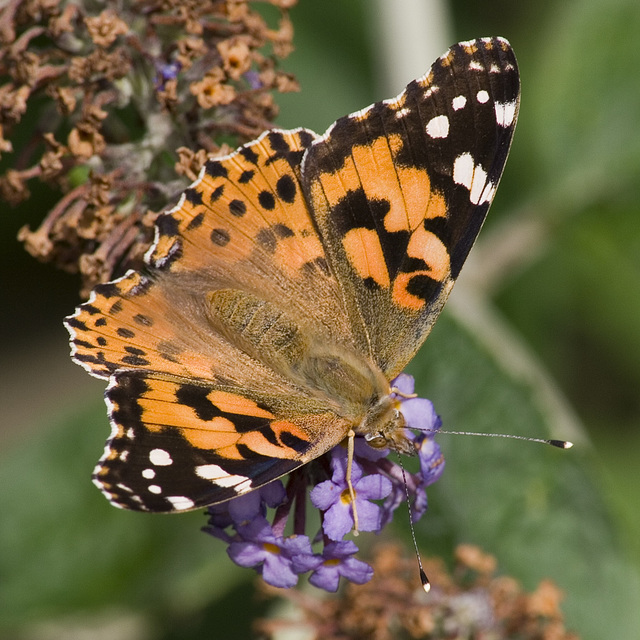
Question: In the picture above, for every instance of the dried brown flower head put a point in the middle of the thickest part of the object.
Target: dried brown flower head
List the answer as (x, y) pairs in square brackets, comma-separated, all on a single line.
[(470, 603), (115, 92)]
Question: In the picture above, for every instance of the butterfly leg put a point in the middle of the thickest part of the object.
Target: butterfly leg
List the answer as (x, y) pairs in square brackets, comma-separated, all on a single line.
[(352, 492), (397, 392)]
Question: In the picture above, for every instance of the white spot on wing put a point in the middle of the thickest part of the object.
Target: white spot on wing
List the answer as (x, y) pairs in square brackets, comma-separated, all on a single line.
[(244, 487), (180, 503), (148, 474), (160, 457), (458, 103), (505, 113), (482, 96), (474, 178), (395, 102), (478, 184), (488, 192), (154, 488), (400, 113), (463, 170), (219, 476), (431, 90), (438, 127), (475, 66)]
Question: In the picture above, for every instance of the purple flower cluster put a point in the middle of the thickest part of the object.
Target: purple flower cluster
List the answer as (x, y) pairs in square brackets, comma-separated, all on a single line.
[(379, 488)]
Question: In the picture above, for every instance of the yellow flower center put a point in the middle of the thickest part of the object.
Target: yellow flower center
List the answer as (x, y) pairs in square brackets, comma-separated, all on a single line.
[(271, 548), (331, 562), (345, 497)]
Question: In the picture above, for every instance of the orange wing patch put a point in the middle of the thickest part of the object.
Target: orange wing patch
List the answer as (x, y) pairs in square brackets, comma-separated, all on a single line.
[(248, 206), (373, 186), (121, 327), (231, 425)]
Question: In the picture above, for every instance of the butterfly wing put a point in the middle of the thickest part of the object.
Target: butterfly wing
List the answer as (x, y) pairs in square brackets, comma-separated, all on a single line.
[(179, 444), (399, 207), (241, 236)]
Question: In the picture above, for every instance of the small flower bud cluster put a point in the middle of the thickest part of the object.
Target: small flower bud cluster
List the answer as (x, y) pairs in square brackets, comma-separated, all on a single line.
[(113, 95)]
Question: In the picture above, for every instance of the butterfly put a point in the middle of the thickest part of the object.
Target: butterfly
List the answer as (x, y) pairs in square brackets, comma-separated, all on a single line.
[(293, 281)]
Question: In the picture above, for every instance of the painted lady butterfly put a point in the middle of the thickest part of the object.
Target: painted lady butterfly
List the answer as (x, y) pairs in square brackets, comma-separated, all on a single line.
[(296, 278)]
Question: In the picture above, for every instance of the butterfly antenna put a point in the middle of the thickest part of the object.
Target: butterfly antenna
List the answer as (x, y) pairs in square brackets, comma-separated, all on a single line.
[(560, 444), (426, 585)]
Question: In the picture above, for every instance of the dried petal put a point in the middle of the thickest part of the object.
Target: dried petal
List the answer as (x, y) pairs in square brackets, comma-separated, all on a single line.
[(105, 28)]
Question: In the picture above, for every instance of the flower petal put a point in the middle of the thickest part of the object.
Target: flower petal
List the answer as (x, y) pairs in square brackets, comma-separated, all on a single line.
[(373, 487), (277, 571), (404, 383), (327, 578), (369, 516), (356, 570), (338, 521), (419, 413), (325, 494), (246, 554)]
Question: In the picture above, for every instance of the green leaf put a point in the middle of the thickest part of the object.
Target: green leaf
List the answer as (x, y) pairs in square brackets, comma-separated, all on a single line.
[(67, 550), (538, 509)]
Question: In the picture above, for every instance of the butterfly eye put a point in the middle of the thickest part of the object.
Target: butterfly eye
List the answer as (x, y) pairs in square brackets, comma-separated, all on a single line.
[(377, 441)]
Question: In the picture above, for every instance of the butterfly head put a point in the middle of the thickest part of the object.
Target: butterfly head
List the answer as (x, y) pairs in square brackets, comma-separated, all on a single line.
[(384, 427)]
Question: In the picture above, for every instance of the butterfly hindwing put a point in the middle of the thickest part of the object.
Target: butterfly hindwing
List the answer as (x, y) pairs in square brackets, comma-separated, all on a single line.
[(400, 206), (179, 444)]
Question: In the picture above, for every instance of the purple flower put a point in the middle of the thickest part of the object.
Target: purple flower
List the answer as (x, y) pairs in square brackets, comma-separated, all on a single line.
[(333, 497), (253, 79), (166, 71), (246, 507), (336, 560), (431, 459), (418, 412), (271, 554)]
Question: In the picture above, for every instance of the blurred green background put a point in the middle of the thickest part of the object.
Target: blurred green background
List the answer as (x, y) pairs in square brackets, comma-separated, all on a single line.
[(541, 336)]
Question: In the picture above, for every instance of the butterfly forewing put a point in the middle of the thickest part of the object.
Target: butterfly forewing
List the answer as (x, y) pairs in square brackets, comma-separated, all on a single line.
[(399, 207)]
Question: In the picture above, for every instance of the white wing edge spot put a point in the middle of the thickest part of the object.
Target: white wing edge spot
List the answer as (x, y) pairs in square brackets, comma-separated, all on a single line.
[(438, 127), (244, 487), (396, 101), (219, 476), (505, 113), (474, 178), (361, 114), (474, 65), (180, 503)]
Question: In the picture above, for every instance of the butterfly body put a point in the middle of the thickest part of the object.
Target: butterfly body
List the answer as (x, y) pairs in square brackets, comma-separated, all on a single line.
[(293, 282)]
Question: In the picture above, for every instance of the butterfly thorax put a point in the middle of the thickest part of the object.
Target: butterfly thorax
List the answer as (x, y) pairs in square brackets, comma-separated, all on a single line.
[(343, 380)]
